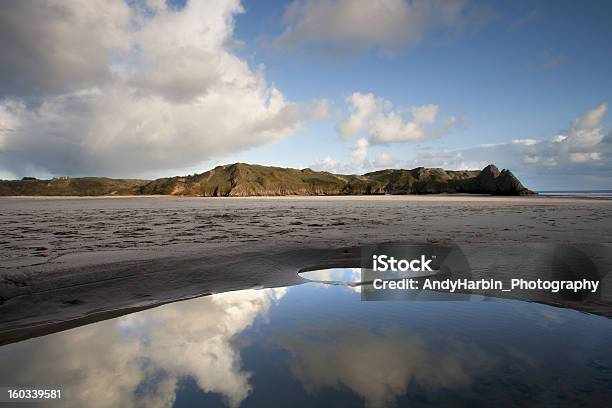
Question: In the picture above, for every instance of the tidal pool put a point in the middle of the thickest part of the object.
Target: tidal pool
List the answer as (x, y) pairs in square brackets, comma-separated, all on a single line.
[(319, 345), (354, 277)]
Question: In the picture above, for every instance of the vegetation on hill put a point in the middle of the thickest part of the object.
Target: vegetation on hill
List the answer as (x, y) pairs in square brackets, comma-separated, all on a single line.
[(84, 186), (241, 179)]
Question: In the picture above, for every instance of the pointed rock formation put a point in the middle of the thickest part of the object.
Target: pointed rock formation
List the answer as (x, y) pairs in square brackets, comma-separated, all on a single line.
[(492, 181)]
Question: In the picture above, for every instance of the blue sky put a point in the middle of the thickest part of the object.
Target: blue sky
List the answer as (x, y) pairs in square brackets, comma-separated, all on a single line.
[(502, 82), (528, 73)]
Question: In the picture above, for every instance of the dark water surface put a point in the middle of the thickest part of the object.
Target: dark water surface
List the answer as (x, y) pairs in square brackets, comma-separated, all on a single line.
[(607, 194), (319, 345)]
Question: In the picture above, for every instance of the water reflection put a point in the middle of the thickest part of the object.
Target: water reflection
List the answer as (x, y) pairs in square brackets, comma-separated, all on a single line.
[(349, 276), (355, 277), (322, 346), (137, 360), (378, 366)]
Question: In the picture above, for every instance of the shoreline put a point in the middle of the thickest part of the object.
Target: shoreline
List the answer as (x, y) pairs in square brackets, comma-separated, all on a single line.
[(362, 197)]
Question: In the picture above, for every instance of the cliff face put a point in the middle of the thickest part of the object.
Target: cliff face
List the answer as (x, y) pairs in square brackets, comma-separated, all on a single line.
[(253, 180), (491, 181), (249, 180)]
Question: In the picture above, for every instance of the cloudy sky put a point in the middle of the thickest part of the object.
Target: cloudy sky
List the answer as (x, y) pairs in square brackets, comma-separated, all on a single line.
[(151, 88)]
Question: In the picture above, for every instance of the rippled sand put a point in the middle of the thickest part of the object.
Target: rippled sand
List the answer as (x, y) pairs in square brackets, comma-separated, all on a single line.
[(63, 260)]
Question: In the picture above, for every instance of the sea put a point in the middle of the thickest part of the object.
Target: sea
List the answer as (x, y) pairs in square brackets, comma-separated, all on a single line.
[(601, 194)]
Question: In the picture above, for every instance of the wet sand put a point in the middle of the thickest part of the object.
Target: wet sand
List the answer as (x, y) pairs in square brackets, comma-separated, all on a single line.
[(69, 261)]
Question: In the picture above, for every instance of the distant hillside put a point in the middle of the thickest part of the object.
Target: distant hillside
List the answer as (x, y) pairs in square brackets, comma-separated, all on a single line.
[(84, 186), (250, 180), (254, 180)]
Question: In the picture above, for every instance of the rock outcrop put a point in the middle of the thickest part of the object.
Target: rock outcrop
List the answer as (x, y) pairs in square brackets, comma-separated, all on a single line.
[(492, 181)]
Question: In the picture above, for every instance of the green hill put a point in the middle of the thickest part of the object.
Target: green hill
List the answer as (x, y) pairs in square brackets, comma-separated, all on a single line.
[(249, 180), (84, 186), (241, 180), (254, 180)]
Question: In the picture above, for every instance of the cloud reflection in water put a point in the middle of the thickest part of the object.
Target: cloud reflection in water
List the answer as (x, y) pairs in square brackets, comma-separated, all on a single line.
[(101, 365), (323, 346)]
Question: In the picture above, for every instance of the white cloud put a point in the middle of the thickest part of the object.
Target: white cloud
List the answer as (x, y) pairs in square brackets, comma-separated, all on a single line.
[(376, 117), (359, 154), (585, 157), (569, 158), (526, 142), (587, 131), (385, 160), (558, 138), (580, 157), (358, 162), (378, 122), (320, 109), (346, 26), (580, 144), (539, 160), (119, 91), (424, 115), (392, 128), (449, 160), (327, 163), (362, 107), (5, 175)]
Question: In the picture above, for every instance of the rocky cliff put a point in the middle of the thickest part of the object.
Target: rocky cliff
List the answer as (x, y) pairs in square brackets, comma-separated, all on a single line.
[(241, 179), (254, 180)]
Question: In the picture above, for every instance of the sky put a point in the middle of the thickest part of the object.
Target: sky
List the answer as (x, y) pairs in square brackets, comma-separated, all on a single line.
[(149, 88)]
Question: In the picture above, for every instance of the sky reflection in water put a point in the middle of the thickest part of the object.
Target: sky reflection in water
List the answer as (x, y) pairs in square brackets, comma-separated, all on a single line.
[(320, 345)]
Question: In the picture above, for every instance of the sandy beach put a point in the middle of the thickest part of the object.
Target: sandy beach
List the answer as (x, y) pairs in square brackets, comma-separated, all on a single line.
[(66, 261)]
